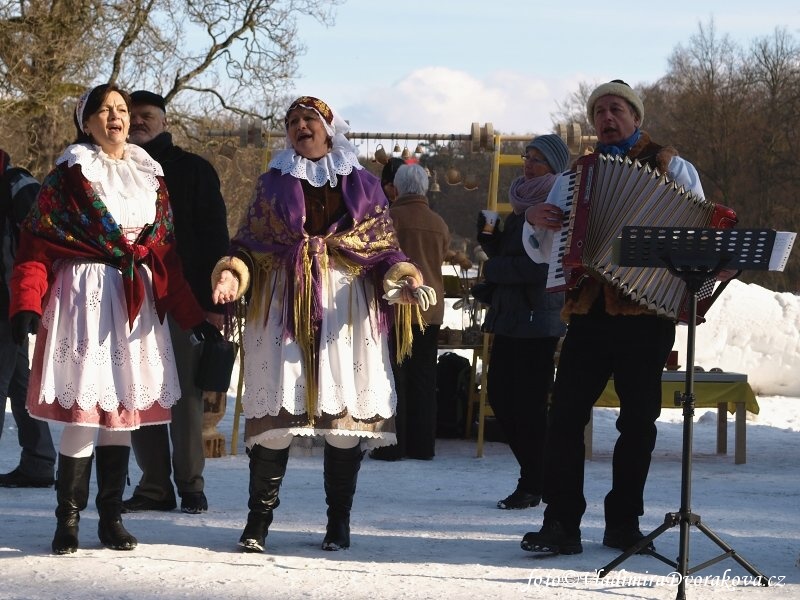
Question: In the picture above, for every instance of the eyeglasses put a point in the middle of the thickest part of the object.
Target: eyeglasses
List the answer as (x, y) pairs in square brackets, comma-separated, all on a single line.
[(533, 159)]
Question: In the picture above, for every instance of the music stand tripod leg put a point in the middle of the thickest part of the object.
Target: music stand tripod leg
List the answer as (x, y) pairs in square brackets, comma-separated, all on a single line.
[(670, 520), (730, 552)]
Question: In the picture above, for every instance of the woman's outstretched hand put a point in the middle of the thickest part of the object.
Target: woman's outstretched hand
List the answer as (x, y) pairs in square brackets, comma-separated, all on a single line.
[(410, 291), (226, 288)]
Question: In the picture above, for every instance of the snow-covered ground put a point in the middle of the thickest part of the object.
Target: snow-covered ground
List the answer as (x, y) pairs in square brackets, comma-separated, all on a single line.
[(431, 529)]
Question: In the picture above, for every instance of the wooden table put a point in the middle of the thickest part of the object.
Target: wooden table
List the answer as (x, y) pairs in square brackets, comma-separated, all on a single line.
[(727, 392)]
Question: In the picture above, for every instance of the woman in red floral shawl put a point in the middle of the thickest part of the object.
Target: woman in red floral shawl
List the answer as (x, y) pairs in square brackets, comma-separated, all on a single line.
[(97, 264), (327, 279)]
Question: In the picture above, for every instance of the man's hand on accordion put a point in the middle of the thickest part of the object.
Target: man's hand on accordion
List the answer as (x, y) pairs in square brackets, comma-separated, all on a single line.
[(727, 274), (546, 216)]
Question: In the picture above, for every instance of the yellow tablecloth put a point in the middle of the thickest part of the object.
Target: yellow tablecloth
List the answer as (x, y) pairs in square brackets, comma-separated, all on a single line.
[(712, 390)]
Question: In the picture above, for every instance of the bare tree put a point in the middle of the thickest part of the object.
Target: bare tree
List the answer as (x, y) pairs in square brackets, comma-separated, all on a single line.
[(573, 108), (234, 56), (704, 106)]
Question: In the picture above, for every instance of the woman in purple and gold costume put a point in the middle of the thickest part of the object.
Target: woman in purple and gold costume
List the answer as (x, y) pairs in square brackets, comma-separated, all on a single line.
[(326, 281)]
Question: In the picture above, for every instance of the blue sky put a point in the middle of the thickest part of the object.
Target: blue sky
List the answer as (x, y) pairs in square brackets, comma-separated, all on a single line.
[(436, 66)]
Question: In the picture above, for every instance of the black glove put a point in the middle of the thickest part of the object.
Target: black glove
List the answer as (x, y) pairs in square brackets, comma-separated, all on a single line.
[(206, 332), (23, 323)]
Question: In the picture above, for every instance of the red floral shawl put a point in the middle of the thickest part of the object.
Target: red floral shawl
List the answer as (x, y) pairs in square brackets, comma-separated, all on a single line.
[(69, 220)]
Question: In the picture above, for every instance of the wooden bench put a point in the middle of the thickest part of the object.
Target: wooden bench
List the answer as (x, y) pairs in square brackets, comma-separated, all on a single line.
[(727, 392)]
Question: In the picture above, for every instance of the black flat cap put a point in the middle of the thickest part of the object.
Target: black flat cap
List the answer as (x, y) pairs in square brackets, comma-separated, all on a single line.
[(151, 98)]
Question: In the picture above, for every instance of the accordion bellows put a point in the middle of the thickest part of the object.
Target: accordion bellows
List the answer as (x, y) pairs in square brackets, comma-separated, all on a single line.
[(608, 193)]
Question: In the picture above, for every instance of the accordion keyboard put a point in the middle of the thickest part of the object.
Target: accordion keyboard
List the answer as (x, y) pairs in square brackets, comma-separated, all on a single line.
[(565, 200)]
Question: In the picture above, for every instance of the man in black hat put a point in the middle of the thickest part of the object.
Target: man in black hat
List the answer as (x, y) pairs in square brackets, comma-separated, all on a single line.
[(202, 236)]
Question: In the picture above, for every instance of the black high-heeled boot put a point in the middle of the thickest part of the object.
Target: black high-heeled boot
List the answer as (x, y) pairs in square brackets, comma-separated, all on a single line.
[(341, 466), (112, 474), (267, 468), (72, 495)]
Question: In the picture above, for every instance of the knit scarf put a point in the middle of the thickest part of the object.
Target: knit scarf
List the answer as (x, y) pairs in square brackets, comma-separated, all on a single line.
[(525, 193), (70, 220)]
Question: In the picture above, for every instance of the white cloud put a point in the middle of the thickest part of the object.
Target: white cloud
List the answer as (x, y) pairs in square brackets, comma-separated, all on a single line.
[(443, 100)]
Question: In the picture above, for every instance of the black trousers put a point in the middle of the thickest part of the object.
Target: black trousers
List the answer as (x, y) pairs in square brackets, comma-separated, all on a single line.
[(415, 381), (518, 384), (151, 445), (633, 349), (38, 456)]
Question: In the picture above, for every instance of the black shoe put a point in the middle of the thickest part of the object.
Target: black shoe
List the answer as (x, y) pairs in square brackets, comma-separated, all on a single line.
[(519, 499), (625, 537), (552, 537), (194, 503), (18, 479), (142, 503)]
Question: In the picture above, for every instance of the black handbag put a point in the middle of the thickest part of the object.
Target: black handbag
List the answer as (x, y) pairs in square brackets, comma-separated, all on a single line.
[(216, 366), (482, 291)]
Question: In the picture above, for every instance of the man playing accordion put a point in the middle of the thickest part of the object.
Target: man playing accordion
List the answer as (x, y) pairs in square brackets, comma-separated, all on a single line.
[(608, 335)]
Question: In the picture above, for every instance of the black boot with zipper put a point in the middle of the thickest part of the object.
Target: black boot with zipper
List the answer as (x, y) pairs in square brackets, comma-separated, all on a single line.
[(72, 495), (341, 468), (112, 474), (267, 468)]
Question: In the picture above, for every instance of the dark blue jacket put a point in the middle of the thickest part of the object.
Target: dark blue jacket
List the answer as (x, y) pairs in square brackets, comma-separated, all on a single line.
[(520, 306)]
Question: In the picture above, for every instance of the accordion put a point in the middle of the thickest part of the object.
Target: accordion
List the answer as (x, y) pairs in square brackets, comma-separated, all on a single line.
[(602, 195)]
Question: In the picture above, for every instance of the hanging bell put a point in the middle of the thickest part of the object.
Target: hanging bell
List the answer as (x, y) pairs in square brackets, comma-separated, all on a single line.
[(435, 184), (396, 148), (419, 149), (453, 176), (380, 154), (406, 153)]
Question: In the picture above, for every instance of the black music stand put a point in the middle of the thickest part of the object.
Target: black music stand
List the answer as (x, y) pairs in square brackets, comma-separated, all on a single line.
[(696, 256)]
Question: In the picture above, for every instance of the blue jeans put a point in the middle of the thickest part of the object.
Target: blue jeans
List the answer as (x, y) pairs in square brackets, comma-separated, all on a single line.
[(38, 455)]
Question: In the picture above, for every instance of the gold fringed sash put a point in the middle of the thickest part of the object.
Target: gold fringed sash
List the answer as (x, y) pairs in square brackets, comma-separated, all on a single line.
[(404, 315), (302, 309), (263, 283)]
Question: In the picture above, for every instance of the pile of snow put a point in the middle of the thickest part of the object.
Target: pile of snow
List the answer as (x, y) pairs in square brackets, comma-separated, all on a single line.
[(751, 330)]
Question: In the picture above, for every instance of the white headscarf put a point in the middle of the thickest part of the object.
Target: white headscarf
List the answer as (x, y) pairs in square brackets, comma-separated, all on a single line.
[(81, 106)]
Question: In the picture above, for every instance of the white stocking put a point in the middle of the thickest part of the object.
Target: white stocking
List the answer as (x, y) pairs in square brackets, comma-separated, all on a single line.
[(343, 442), (77, 441)]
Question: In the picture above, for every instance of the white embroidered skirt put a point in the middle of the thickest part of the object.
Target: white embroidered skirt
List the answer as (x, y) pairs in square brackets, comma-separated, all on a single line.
[(356, 394), (89, 367)]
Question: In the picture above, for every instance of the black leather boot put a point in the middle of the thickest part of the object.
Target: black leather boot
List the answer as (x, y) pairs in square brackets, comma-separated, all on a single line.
[(341, 474), (112, 474), (72, 495), (267, 468)]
